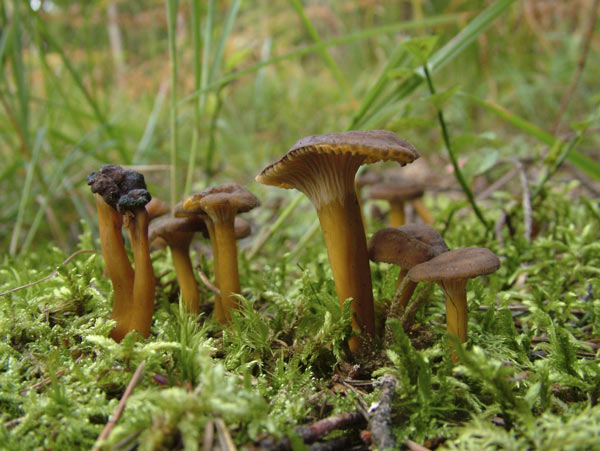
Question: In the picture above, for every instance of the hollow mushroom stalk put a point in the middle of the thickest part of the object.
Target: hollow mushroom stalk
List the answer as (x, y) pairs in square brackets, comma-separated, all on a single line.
[(323, 167), (221, 204), (451, 270), (178, 234), (124, 192), (405, 246)]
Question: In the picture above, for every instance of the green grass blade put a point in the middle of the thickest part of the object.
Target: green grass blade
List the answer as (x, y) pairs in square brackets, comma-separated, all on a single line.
[(227, 27), (582, 162), (172, 6), (364, 34), (314, 35), (445, 55), (25, 194), (53, 43)]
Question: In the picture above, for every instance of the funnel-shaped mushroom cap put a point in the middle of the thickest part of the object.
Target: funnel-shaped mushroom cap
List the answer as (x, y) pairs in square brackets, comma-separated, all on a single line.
[(166, 226), (406, 246), (465, 263), (396, 191), (221, 201), (323, 166), (113, 182)]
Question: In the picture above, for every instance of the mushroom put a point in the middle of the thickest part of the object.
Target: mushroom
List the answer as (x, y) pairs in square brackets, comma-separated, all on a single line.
[(221, 204), (121, 197), (451, 270), (178, 234), (398, 192), (323, 167), (405, 246), (157, 208)]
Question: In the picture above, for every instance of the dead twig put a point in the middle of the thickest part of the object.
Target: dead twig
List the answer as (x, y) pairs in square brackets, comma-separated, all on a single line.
[(413, 446), (380, 415), (225, 440), (207, 282), (312, 432), (112, 421), (53, 273), (209, 436)]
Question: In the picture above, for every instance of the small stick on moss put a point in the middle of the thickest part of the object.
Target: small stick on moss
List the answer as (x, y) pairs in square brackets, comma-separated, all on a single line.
[(53, 273), (207, 282), (312, 432), (112, 421), (413, 446), (209, 436), (380, 415), (225, 440)]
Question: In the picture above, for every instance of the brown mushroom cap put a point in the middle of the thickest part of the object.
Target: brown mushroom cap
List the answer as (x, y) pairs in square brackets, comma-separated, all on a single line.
[(368, 178), (165, 226), (156, 208), (306, 165), (220, 201), (396, 191), (464, 263), (406, 246), (242, 228), (426, 234)]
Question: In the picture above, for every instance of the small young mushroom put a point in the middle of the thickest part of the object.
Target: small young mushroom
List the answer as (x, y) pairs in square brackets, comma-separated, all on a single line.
[(323, 167), (451, 270), (405, 246), (121, 197), (397, 193), (221, 204), (178, 234)]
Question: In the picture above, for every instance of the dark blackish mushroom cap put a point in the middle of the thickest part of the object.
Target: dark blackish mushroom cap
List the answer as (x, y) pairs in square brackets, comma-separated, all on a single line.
[(136, 198), (465, 263), (396, 191), (112, 182), (404, 248)]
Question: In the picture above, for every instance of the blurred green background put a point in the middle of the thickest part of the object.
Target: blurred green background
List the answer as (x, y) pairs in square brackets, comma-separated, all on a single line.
[(199, 92)]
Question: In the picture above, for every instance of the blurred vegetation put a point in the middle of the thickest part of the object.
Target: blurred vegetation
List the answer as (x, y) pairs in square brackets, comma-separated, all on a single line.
[(88, 83), (193, 93)]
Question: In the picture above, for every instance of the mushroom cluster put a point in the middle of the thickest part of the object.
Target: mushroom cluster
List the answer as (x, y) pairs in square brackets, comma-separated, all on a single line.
[(121, 197), (324, 168)]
